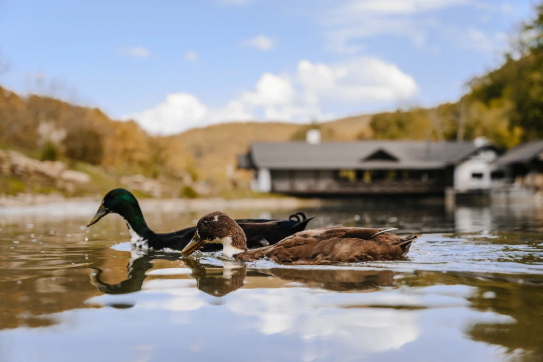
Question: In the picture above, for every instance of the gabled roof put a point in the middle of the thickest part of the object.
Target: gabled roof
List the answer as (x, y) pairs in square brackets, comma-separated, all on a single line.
[(380, 155), (522, 153), (351, 155)]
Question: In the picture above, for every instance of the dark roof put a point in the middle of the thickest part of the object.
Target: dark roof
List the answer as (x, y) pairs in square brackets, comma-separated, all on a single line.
[(522, 153), (353, 155)]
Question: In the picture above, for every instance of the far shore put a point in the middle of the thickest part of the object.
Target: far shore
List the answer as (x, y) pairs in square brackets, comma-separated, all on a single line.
[(57, 204)]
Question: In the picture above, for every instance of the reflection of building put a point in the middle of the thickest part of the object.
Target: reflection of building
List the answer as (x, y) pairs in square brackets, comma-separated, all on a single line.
[(371, 167), (473, 219), (524, 164)]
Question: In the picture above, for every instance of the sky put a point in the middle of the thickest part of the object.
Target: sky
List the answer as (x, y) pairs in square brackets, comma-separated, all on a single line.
[(174, 65)]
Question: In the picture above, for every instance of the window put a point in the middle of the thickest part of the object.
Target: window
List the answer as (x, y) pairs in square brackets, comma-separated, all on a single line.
[(477, 175), (391, 175), (347, 175), (497, 175)]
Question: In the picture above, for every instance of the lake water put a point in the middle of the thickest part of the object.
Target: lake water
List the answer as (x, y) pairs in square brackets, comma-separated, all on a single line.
[(471, 289)]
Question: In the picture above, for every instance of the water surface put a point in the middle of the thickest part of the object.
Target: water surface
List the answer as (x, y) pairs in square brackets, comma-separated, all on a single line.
[(471, 289)]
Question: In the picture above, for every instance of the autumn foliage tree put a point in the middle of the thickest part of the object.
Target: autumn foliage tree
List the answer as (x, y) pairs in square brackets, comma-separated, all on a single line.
[(505, 105)]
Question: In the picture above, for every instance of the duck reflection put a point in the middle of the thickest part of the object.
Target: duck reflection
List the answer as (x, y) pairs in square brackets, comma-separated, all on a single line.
[(136, 274), (341, 280), (210, 279), (219, 281)]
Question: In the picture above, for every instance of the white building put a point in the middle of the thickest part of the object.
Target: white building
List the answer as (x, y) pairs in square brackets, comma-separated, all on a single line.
[(372, 167)]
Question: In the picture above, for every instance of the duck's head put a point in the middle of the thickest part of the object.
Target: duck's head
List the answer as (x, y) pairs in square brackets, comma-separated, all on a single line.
[(118, 201), (218, 227)]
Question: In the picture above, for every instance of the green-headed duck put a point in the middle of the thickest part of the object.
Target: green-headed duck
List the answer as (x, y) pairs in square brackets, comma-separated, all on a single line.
[(259, 232)]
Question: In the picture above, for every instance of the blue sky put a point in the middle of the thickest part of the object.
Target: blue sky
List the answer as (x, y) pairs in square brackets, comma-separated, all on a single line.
[(174, 65)]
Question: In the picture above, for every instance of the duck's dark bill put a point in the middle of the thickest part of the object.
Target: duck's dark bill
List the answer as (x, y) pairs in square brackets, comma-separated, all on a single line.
[(102, 211), (194, 245)]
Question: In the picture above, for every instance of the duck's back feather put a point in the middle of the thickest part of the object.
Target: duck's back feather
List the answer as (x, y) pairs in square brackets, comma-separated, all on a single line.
[(259, 232)]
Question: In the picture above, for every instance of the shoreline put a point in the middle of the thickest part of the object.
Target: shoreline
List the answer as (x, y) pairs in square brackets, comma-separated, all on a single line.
[(58, 205)]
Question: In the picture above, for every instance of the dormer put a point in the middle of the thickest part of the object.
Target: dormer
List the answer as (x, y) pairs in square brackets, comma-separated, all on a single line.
[(380, 155)]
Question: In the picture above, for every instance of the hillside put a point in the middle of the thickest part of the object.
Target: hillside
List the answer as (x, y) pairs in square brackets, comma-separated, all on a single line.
[(87, 140)]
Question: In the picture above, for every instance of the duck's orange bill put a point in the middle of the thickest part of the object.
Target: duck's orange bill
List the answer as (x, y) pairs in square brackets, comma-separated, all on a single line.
[(194, 245)]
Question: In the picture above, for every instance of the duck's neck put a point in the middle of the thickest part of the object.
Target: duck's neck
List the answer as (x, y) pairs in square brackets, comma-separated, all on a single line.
[(229, 250), (139, 231)]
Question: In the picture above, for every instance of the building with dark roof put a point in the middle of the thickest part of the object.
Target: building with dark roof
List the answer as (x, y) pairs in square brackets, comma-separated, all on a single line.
[(371, 167), (524, 158), (524, 164)]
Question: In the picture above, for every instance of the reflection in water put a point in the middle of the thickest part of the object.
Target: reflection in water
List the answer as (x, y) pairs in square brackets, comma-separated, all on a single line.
[(215, 281), (338, 279), (136, 270), (312, 317), (218, 281), (523, 302), (471, 289)]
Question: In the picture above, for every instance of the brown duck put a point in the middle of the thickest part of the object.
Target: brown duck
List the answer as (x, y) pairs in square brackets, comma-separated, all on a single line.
[(330, 245)]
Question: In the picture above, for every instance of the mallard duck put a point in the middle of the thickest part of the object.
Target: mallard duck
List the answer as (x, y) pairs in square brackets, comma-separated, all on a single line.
[(319, 246), (259, 231)]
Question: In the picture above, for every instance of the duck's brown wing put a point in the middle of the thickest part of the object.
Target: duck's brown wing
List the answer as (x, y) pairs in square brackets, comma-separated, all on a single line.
[(288, 250), (333, 245)]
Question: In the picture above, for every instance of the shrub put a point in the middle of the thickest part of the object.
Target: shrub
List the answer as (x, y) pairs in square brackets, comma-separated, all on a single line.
[(11, 186), (188, 192), (49, 152)]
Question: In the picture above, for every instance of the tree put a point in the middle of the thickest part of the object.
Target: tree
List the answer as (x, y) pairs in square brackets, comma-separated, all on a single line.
[(84, 144), (519, 81)]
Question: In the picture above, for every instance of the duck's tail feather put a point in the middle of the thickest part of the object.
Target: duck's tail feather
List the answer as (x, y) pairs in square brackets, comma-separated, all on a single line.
[(299, 216), (302, 224), (406, 243)]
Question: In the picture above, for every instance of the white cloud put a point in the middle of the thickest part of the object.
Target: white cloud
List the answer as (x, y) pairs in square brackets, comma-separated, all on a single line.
[(138, 52), (300, 97), (261, 42), (346, 25), (270, 90), (359, 80), (234, 2), (191, 56), (398, 6), (180, 111), (234, 111), (475, 39)]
